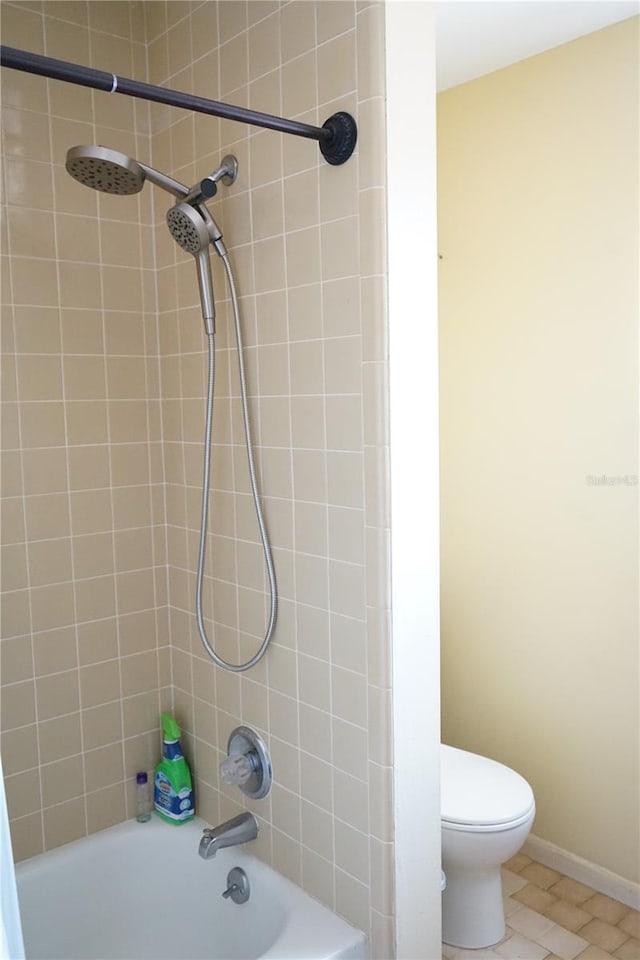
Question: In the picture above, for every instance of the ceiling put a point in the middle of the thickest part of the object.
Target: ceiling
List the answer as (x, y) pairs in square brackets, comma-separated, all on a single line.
[(474, 37)]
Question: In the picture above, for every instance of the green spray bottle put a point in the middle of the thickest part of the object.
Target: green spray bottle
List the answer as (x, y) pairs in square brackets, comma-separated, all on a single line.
[(173, 789)]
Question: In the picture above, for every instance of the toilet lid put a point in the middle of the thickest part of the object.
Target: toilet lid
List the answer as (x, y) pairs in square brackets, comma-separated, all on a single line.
[(478, 791)]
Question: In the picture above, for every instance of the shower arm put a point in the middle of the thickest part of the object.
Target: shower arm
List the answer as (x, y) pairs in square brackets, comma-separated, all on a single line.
[(336, 137), (167, 183)]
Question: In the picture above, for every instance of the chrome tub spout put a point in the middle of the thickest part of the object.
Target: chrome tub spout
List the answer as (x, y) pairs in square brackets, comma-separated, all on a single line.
[(239, 829)]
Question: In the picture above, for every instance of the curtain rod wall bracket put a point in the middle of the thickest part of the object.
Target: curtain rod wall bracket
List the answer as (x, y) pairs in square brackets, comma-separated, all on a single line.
[(339, 146), (336, 137)]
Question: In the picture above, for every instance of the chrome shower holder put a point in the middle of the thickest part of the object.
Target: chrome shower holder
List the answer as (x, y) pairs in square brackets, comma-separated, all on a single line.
[(207, 188), (231, 164)]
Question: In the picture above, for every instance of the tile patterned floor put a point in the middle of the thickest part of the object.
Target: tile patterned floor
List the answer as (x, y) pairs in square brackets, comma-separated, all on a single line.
[(551, 917)]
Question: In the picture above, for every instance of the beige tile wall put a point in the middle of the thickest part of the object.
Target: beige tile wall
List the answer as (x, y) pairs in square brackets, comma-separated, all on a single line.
[(85, 666), (307, 244), (306, 240)]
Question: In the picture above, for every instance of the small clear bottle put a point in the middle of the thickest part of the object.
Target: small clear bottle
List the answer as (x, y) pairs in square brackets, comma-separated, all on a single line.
[(143, 798)]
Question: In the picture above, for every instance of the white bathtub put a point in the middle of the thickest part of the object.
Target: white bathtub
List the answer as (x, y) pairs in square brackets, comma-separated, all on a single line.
[(140, 890)]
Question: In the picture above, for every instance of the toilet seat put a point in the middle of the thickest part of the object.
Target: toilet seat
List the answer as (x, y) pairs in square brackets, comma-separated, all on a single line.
[(480, 795)]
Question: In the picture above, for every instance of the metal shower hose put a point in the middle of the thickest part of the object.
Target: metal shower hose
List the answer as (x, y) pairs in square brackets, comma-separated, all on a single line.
[(233, 667)]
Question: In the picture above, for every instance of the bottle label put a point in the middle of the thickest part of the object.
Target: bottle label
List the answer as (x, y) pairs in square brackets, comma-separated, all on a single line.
[(172, 804), (171, 749)]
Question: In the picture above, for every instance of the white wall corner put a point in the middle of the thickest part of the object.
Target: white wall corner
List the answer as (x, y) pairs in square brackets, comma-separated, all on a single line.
[(413, 386)]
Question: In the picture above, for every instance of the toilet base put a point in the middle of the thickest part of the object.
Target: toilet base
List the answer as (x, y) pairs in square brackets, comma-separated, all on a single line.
[(472, 908)]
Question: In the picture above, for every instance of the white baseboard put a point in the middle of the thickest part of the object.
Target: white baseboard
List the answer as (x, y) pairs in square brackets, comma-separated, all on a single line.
[(602, 880)]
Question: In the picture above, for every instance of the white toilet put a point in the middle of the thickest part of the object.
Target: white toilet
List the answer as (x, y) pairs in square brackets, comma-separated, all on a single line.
[(487, 812)]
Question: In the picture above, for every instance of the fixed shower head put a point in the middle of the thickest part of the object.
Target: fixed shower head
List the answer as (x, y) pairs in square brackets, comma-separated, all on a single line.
[(189, 229), (107, 170), (113, 172)]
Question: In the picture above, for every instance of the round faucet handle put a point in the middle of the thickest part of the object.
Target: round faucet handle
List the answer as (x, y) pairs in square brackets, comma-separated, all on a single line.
[(236, 770)]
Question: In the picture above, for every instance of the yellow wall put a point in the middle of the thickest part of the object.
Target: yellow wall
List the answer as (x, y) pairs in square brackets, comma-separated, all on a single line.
[(538, 215)]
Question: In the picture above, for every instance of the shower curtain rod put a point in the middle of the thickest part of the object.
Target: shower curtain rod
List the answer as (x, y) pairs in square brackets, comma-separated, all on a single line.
[(336, 137)]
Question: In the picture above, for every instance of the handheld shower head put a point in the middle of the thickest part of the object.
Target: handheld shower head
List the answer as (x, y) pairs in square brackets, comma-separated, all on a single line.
[(188, 228), (107, 170)]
